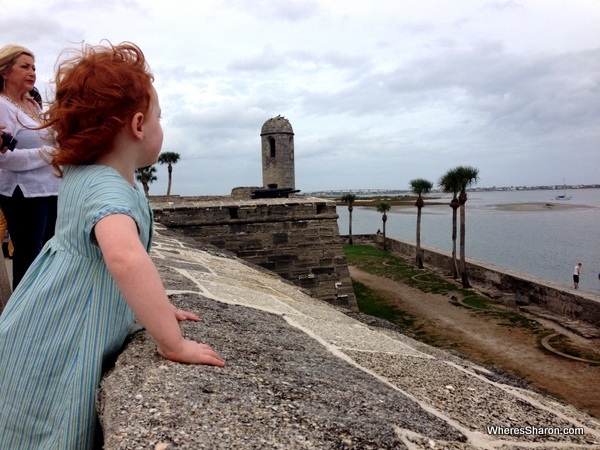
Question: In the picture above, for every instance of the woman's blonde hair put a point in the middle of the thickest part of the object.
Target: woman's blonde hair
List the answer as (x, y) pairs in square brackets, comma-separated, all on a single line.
[(8, 55)]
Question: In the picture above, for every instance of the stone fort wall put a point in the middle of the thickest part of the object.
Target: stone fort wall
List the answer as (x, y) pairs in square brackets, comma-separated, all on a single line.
[(301, 374), (297, 238)]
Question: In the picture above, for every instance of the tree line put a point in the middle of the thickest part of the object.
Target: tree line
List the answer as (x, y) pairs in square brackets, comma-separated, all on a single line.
[(146, 175), (454, 181)]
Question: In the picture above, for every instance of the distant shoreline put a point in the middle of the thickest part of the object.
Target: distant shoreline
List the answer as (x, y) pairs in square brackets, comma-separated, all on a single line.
[(540, 206), (397, 201), (528, 207)]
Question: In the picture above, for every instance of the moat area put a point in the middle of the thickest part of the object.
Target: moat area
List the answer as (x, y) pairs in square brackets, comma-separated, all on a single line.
[(506, 338)]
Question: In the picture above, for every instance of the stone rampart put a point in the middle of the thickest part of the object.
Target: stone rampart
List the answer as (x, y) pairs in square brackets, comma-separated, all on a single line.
[(297, 238), (527, 289), (301, 374)]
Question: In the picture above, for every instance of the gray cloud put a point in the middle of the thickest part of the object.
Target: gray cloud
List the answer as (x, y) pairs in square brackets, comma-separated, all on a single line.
[(376, 96)]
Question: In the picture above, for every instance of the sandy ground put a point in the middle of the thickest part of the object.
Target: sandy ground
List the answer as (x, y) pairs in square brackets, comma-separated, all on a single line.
[(484, 340)]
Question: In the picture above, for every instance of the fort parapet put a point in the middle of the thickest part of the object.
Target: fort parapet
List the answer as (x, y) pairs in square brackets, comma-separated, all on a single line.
[(301, 374), (297, 238)]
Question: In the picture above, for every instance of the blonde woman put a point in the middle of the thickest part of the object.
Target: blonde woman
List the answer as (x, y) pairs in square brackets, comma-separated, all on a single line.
[(28, 182)]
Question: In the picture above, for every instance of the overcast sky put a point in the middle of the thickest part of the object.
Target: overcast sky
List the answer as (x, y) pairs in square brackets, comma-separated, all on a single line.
[(377, 92)]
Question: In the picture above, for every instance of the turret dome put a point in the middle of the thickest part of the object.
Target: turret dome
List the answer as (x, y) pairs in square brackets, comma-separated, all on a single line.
[(278, 125)]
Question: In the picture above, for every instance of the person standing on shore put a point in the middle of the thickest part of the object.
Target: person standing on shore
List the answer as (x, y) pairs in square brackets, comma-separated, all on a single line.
[(576, 273)]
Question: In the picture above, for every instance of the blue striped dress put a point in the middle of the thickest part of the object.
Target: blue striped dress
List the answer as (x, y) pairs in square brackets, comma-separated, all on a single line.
[(66, 319)]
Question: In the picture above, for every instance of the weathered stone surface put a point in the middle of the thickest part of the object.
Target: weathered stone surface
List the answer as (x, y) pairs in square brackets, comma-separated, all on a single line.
[(302, 374)]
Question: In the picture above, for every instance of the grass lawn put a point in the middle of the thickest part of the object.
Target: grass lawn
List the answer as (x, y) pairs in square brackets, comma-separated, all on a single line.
[(382, 263)]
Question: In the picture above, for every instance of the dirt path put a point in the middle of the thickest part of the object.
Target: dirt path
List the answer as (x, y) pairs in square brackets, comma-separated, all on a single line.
[(483, 339)]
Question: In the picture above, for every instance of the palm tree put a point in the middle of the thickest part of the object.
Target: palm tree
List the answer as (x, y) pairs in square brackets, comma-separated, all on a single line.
[(169, 158), (145, 175), (449, 183), (349, 198), (384, 207), (466, 176), (420, 186)]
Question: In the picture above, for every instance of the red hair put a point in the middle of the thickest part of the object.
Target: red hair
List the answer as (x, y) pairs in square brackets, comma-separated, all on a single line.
[(97, 93)]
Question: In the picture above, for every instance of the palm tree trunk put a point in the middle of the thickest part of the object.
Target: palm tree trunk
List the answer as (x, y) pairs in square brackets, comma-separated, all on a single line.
[(454, 265), (463, 263), (350, 226), (384, 243), (419, 250), (170, 169)]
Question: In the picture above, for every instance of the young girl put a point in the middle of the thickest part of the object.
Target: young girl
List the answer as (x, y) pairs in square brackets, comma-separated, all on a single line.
[(74, 306)]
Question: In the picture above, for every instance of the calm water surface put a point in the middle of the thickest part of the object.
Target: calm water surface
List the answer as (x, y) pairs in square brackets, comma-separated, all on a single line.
[(546, 244)]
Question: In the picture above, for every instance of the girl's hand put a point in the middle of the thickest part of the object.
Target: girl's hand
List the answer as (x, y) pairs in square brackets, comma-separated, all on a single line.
[(182, 315), (139, 281), (192, 352)]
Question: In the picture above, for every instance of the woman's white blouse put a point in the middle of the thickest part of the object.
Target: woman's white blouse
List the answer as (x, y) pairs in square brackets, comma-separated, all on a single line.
[(28, 166)]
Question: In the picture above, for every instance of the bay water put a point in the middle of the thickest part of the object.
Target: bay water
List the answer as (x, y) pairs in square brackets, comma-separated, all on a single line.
[(546, 242)]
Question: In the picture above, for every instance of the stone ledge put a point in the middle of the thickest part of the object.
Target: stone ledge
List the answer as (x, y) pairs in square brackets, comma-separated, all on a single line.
[(302, 374)]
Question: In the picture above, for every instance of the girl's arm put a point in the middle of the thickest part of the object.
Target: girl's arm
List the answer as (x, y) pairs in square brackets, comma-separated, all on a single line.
[(139, 281)]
